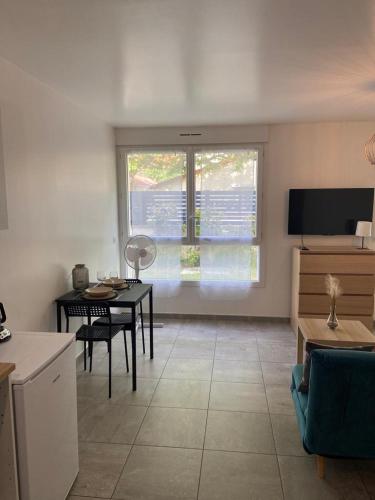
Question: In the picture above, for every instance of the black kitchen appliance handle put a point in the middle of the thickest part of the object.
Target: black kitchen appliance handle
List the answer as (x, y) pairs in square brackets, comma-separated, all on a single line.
[(3, 315)]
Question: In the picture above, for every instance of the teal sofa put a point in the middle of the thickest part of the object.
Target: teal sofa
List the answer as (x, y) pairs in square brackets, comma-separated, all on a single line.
[(336, 418)]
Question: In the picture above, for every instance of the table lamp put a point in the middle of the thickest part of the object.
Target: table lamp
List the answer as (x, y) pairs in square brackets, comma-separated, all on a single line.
[(364, 229)]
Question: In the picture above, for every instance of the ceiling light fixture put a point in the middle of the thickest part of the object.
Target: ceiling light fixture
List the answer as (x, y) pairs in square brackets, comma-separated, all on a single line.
[(370, 150)]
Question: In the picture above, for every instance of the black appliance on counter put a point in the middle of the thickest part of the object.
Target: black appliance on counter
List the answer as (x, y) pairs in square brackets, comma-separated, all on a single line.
[(4, 332)]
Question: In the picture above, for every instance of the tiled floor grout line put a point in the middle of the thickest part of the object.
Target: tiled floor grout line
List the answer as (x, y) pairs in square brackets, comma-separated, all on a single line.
[(201, 449), (161, 375), (143, 405), (215, 409), (273, 436), (128, 376), (205, 428), (139, 428)]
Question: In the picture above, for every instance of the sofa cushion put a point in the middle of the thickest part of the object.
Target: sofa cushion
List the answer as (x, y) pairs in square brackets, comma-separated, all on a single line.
[(303, 387), (297, 375)]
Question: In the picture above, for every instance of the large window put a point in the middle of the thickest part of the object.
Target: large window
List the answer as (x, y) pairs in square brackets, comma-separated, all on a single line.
[(201, 205)]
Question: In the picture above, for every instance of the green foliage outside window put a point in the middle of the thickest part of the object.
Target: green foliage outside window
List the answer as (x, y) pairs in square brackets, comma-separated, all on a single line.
[(165, 166)]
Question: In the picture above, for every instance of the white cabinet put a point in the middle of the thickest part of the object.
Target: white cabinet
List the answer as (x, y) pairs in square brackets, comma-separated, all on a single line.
[(45, 411), (8, 476)]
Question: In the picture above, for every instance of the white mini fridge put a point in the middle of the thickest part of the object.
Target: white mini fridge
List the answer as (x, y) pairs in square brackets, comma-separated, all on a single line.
[(45, 411)]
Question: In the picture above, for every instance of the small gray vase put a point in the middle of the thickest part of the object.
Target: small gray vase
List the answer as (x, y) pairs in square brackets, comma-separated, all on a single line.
[(80, 275)]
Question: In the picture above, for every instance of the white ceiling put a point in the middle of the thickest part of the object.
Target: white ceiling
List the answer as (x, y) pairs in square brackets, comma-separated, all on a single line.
[(199, 62)]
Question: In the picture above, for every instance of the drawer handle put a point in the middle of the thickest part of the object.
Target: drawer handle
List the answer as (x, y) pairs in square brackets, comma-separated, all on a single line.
[(56, 378)]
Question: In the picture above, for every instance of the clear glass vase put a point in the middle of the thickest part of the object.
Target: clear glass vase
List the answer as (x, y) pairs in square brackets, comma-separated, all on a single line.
[(332, 318)]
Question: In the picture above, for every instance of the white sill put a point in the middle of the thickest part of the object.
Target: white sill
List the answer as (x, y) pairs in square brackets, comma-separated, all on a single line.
[(216, 284)]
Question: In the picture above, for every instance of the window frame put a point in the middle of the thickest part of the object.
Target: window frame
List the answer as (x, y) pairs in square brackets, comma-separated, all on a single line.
[(190, 239)]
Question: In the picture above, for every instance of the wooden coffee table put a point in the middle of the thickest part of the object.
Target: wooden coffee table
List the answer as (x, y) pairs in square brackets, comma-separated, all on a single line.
[(347, 334)]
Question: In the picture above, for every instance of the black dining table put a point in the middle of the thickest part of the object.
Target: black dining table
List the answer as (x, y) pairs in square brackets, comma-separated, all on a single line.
[(129, 299)]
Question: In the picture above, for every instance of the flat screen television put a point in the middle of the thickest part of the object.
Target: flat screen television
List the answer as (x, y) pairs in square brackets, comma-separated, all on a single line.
[(328, 211)]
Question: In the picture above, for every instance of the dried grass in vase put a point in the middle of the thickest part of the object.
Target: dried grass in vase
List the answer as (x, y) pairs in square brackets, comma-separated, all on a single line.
[(334, 291)]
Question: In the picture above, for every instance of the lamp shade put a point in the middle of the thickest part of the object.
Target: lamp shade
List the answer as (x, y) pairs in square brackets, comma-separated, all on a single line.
[(364, 228), (370, 150)]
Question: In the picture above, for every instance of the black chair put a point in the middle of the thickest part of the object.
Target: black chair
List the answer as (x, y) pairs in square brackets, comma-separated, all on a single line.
[(95, 333), (125, 319), (75, 310)]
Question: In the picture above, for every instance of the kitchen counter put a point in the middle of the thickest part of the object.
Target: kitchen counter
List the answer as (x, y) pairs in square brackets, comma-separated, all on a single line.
[(31, 352), (5, 370), (8, 477)]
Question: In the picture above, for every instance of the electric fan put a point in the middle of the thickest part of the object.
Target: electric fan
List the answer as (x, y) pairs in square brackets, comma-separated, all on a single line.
[(140, 253)]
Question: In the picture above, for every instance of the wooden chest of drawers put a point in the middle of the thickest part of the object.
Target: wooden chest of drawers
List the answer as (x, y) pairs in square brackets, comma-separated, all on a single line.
[(355, 269)]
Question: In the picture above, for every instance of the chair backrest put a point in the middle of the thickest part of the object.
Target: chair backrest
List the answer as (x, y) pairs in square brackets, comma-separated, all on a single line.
[(75, 310), (99, 310), (88, 310), (340, 413)]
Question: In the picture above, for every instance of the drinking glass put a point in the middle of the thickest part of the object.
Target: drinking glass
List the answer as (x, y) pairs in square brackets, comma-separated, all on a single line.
[(113, 275), (101, 276)]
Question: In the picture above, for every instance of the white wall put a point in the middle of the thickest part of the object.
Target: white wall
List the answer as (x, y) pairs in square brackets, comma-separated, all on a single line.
[(61, 196), (296, 155), (3, 195)]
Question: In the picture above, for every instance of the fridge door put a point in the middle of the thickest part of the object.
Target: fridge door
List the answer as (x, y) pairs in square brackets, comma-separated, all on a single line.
[(46, 430)]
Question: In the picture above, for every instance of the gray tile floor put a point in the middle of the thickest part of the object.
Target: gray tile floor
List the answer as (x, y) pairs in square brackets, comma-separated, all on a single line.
[(212, 419)]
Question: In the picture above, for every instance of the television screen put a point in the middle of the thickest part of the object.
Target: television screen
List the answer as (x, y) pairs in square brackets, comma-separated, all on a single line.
[(328, 211)]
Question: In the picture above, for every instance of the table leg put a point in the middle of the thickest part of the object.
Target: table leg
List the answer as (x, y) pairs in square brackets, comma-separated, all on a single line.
[(151, 325), (299, 346), (58, 316), (134, 351)]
